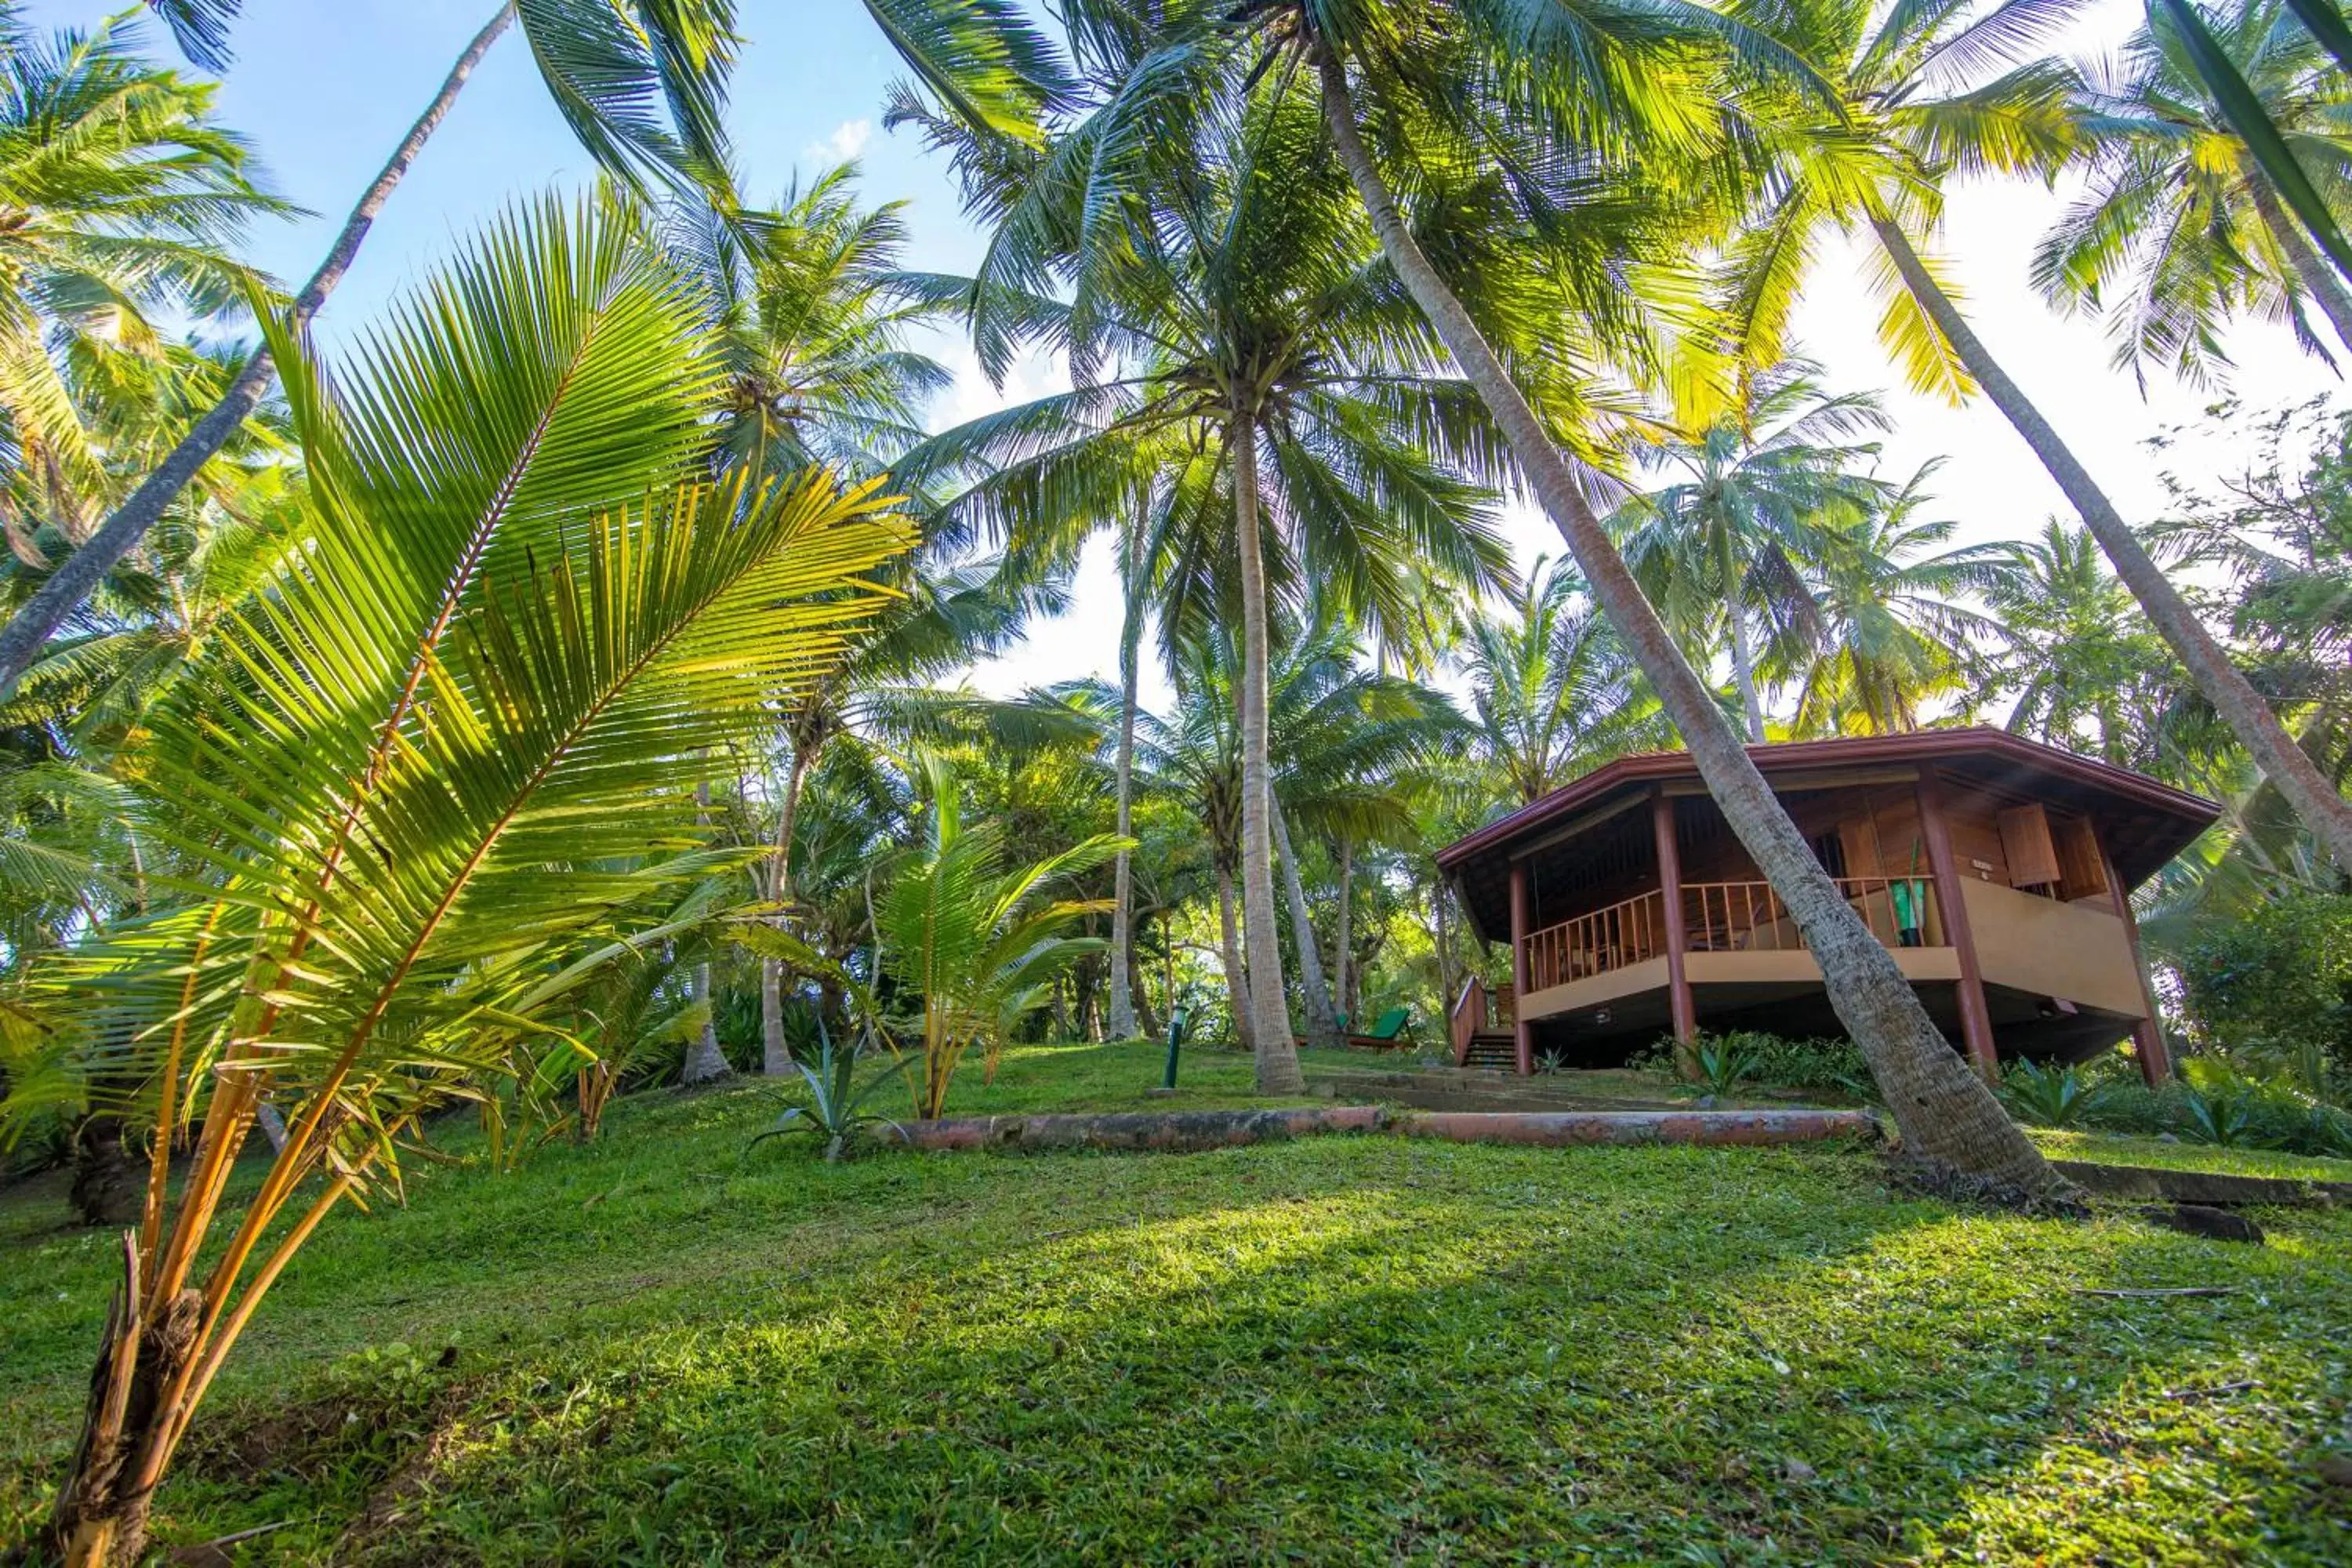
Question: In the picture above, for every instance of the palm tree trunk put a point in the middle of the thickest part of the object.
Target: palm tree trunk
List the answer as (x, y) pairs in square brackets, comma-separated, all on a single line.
[(2317, 276), (1237, 978), (79, 573), (1946, 1115), (775, 1055), (1322, 1023), (2315, 800), (704, 1060), (1346, 957), (1444, 938), (1122, 918), (1278, 1056), (1743, 668)]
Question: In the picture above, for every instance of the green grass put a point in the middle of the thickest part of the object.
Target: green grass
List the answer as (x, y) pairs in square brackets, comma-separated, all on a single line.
[(1334, 1350), (2123, 1149)]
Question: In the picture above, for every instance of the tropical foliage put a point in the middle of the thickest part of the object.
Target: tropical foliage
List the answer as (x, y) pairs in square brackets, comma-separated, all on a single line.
[(582, 683)]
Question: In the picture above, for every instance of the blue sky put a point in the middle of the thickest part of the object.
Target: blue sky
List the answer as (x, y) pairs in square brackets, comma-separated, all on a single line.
[(325, 87)]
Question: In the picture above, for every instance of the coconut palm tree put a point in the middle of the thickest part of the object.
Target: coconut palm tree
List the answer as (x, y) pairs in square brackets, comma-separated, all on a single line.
[(126, 195), (1906, 117), (1763, 484), (2180, 227), (2082, 664), (803, 301), (463, 728), (978, 945), (1553, 693), (1350, 747), (607, 65), (1236, 312), (1888, 632), (1556, 74)]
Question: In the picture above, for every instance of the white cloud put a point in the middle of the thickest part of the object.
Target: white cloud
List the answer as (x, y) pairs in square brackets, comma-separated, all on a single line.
[(848, 139)]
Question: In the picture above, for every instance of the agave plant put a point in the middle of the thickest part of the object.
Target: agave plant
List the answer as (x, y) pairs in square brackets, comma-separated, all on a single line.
[(2049, 1096), (836, 1108), (451, 742)]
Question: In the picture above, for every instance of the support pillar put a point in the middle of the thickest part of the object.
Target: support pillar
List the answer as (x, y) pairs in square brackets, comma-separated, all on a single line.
[(1523, 1033), (1670, 898), (2148, 1035), (1976, 1018)]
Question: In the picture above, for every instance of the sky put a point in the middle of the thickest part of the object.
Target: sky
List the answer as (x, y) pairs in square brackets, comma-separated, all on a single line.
[(325, 88)]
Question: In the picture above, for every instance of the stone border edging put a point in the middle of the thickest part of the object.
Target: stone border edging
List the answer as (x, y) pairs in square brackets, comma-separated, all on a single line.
[(1182, 1132)]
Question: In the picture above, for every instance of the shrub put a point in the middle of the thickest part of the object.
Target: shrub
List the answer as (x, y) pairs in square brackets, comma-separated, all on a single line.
[(2275, 982), (836, 1112), (1815, 1064), (1724, 1060), (2049, 1096)]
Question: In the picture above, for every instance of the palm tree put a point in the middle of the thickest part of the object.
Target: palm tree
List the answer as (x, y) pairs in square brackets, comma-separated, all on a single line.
[(1887, 634), (1946, 1114), (1233, 312), (813, 333), (1726, 543), (978, 944), (2075, 654), (2180, 227), (1193, 757), (125, 194), (1350, 747), (803, 302), (1899, 125), (1552, 691), (939, 619), (462, 730), (604, 63)]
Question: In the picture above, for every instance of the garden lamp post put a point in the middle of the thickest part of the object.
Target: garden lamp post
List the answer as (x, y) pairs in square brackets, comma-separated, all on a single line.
[(1176, 1019)]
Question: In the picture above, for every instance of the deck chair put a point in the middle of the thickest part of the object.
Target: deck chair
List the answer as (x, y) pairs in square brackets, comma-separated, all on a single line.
[(1389, 1031)]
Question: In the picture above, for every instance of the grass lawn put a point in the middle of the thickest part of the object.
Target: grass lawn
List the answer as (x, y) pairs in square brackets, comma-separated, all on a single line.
[(1342, 1350), (2121, 1148)]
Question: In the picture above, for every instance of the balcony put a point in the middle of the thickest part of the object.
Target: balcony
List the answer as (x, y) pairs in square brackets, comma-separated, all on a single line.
[(1722, 917)]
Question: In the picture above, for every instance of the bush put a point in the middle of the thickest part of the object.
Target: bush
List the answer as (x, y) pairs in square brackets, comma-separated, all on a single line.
[(2275, 984), (2213, 1103), (1835, 1065), (2049, 1096)]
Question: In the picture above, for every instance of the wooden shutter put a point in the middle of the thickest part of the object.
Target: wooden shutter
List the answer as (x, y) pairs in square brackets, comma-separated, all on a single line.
[(2026, 845), (2081, 873)]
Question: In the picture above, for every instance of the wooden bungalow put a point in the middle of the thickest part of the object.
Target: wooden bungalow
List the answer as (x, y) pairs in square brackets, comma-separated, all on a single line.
[(1995, 869)]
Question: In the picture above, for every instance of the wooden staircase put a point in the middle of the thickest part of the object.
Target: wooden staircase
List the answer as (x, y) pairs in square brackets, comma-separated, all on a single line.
[(1491, 1052), (1481, 1028)]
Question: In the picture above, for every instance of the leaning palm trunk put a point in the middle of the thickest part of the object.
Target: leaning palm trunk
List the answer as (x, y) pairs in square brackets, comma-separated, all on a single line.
[(1236, 979), (1743, 667), (1322, 1022), (1277, 1057), (1946, 1115), (78, 574), (1122, 910), (2284, 763), (2317, 276)]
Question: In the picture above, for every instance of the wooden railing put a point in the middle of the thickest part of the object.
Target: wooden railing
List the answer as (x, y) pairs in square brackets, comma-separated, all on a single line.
[(1749, 917), (1623, 934), (1721, 917), (1477, 1011), (1469, 1016)]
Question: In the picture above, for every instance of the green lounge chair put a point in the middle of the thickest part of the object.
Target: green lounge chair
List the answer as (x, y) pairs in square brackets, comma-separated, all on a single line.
[(1387, 1033)]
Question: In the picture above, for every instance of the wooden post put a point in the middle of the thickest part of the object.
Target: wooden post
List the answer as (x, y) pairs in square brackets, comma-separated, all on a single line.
[(1670, 901), (1522, 1031), (1976, 1018), (2148, 1036)]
